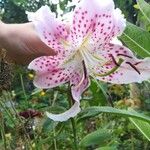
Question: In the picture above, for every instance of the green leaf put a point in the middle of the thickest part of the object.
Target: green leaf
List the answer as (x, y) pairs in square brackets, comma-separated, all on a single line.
[(107, 148), (98, 137), (49, 125), (93, 111), (98, 96), (19, 2), (144, 127), (137, 39), (144, 8)]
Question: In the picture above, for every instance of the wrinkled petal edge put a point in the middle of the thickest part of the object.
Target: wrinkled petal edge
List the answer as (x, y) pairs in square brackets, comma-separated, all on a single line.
[(72, 112)]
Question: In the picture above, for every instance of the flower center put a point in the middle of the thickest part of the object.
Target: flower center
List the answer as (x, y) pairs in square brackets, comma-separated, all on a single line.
[(84, 54), (91, 60)]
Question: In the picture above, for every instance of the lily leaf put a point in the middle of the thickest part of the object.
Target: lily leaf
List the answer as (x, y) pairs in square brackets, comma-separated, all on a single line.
[(107, 148), (137, 40), (93, 111), (98, 137), (144, 127), (144, 8)]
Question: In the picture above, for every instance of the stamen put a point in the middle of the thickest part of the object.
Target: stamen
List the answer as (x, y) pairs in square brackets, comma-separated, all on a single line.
[(97, 57), (124, 55), (69, 59), (84, 69), (112, 70), (133, 67), (77, 86), (137, 63), (94, 55), (84, 75), (113, 59), (86, 39)]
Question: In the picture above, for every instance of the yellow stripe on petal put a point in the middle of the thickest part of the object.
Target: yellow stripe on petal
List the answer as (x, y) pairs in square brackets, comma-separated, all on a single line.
[(65, 43)]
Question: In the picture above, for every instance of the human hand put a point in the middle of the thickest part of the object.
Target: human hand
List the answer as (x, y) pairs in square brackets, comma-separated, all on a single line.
[(22, 42)]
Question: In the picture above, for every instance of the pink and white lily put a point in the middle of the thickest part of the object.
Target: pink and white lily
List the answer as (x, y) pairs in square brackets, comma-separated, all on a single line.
[(84, 49)]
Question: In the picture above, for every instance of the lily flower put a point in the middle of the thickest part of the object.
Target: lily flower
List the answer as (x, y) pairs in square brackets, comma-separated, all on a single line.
[(84, 49)]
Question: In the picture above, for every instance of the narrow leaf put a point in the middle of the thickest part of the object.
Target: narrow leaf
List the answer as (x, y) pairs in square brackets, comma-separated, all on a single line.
[(98, 137), (137, 40), (93, 111), (144, 127), (107, 148), (144, 8)]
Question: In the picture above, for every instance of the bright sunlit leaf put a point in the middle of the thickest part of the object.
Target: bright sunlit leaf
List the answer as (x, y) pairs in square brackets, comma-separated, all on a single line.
[(142, 126), (144, 8)]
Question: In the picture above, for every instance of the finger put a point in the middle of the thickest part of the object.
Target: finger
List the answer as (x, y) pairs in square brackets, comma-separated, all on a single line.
[(34, 43)]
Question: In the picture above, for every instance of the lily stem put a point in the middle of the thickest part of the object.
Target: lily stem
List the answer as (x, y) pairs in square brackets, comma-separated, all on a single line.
[(54, 132), (73, 122), (23, 88)]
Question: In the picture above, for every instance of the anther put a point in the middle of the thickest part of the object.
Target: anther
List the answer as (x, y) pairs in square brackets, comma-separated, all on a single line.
[(124, 55), (84, 69), (133, 67), (113, 59), (137, 63)]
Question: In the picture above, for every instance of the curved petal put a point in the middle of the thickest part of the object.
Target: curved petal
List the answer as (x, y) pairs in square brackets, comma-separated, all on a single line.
[(49, 74), (51, 30), (52, 78), (80, 84), (45, 63), (116, 50), (72, 112), (119, 25), (131, 70), (116, 41), (96, 23)]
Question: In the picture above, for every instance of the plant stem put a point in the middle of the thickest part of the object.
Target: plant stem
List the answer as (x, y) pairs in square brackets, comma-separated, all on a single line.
[(132, 143), (23, 88), (55, 142), (54, 132), (73, 123)]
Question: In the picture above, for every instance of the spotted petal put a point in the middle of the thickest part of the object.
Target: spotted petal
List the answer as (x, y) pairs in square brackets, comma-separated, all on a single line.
[(119, 24), (51, 72), (96, 23), (131, 70), (51, 30), (45, 63), (48, 72)]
